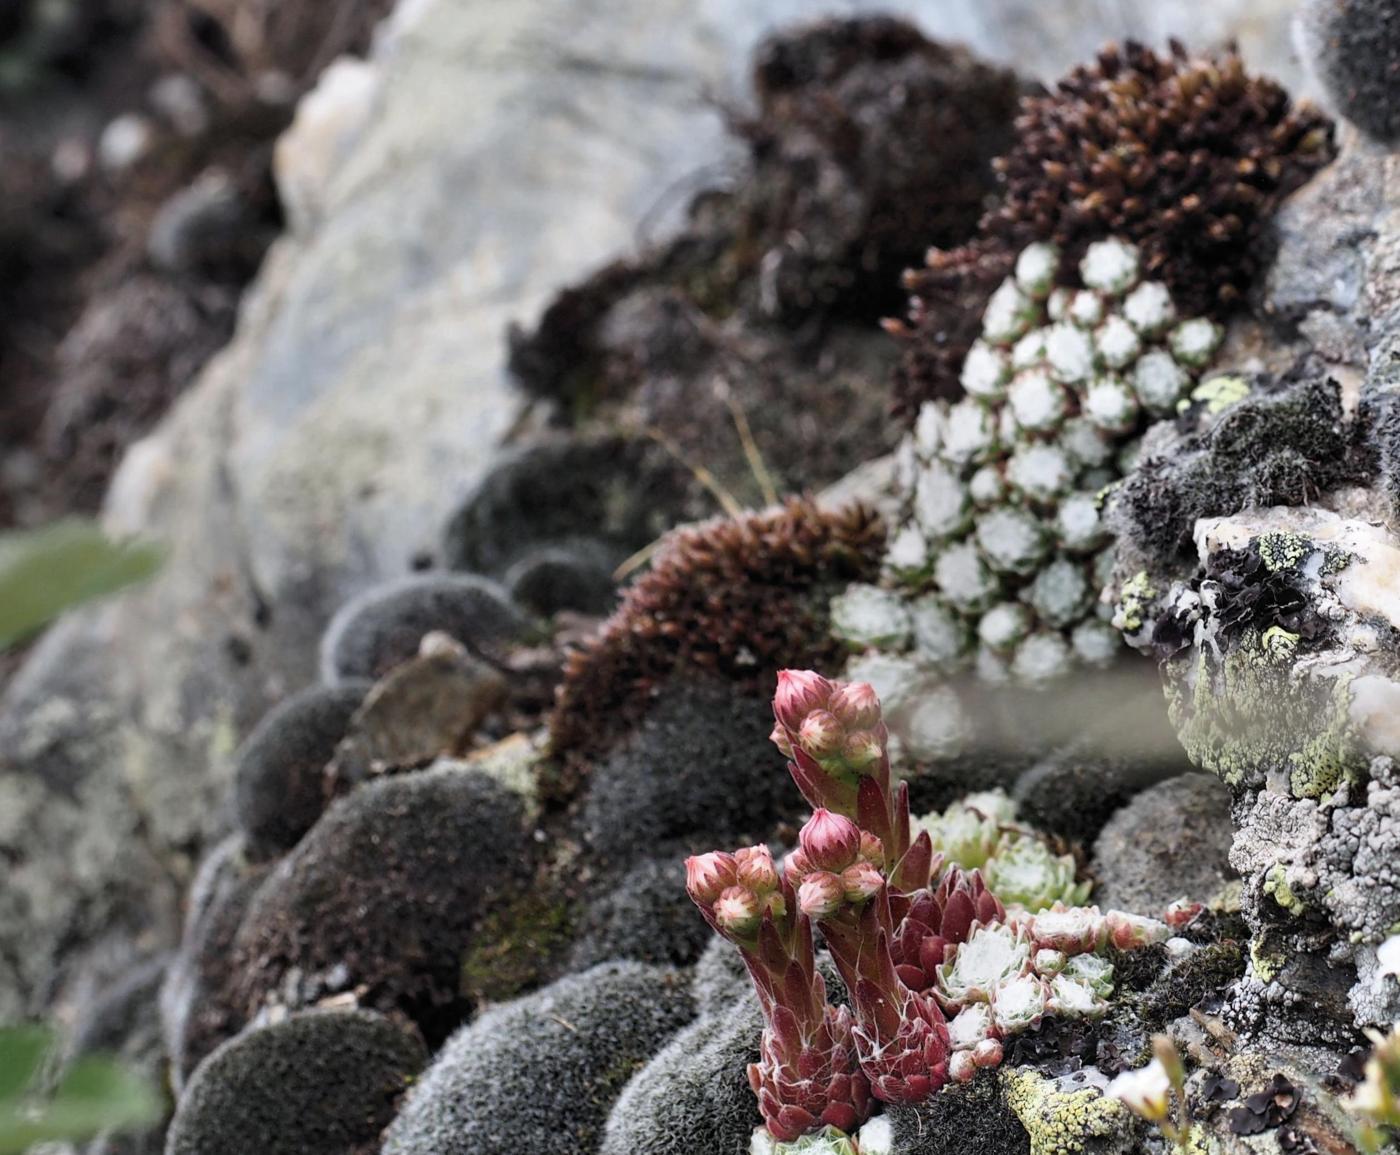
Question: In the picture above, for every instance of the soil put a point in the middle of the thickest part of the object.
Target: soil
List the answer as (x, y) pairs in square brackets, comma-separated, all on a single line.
[(136, 203)]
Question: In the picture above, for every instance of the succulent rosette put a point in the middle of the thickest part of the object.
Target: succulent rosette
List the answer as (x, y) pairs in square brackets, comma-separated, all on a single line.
[(940, 918)]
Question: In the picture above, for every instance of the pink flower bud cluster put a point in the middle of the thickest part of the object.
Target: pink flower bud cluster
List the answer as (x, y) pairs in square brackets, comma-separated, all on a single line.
[(808, 1076), (914, 943)]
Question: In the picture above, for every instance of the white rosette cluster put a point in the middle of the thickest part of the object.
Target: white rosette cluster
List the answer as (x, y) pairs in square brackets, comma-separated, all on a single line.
[(1001, 555)]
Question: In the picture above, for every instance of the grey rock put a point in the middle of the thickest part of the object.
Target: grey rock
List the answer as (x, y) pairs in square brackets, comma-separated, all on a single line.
[(385, 626), (1171, 841), (694, 1097), (428, 706), (317, 1082), (540, 1074)]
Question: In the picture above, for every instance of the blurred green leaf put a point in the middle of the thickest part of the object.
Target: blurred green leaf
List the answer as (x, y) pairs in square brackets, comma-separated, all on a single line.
[(46, 571), (94, 1095), (22, 1051)]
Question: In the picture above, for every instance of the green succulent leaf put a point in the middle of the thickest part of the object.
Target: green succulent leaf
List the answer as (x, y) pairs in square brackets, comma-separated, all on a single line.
[(46, 571)]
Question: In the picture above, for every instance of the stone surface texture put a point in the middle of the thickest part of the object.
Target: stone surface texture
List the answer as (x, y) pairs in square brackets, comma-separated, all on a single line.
[(487, 154)]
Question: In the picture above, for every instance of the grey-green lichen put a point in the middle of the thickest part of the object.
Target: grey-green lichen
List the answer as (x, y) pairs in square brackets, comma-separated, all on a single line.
[(1245, 714), (1062, 1121)]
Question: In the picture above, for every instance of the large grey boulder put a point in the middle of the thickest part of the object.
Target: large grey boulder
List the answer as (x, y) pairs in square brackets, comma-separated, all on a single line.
[(487, 155)]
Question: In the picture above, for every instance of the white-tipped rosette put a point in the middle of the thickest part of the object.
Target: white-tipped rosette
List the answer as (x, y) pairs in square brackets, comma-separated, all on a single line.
[(1002, 525)]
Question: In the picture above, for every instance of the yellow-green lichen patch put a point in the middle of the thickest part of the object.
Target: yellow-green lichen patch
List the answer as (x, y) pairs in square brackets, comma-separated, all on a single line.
[(1266, 959), (1134, 601), (1280, 550), (1062, 1121), (1330, 756), (1277, 888), (1280, 644), (1216, 394)]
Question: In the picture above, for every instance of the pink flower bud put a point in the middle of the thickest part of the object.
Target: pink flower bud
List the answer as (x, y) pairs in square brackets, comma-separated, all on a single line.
[(871, 848), (799, 693), (779, 738), (856, 705), (961, 1068), (796, 867), (988, 1053), (830, 841), (738, 911), (706, 875), (862, 750), (821, 735), (862, 882), (821, 895), (756, 870)]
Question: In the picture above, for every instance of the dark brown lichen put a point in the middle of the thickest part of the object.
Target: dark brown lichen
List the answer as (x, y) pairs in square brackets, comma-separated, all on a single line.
[(736, 597), (1187, 157)]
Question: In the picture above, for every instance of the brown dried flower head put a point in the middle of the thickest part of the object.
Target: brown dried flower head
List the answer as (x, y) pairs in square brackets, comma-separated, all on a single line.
[(735, 597)]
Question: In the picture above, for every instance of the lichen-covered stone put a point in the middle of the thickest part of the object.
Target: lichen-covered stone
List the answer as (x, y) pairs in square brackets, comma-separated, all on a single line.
[(542, 1073), (1069, 1115), (317, 1083)]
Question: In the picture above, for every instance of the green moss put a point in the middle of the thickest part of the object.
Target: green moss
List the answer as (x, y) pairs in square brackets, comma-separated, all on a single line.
[(516, 947), (1280, 550), (1276, 887), (1062, 1122)]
